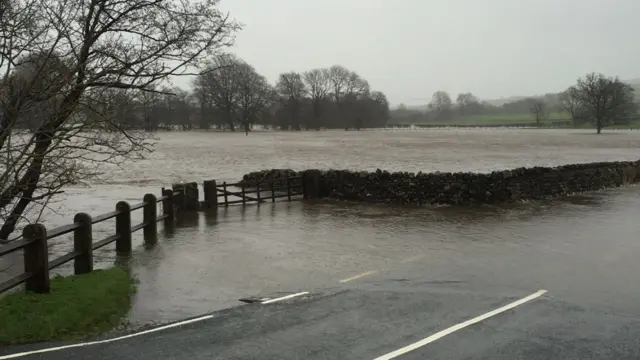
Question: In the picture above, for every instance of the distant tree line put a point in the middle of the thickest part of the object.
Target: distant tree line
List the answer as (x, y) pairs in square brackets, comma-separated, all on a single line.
[(231, 95), (442, 108), (595, 99)]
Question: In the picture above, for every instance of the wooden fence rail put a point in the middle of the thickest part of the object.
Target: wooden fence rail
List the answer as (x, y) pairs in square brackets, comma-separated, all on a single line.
[(272, 188), (183, 197), (35, 237)]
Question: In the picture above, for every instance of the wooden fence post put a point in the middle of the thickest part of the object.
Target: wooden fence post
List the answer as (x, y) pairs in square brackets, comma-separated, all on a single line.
[(258, 192), (210, 193), (187, 199), (305, 185), (192, 196), (83, 244), (244, 197), (310, 184), (123, 227), (273, 190), (179, 199), (288, 189), (167, 207), (36, 258), (150, 219), (224, 190)]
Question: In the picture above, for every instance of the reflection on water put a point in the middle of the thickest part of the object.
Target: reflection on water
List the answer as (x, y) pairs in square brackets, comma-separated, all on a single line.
[(300, 246), (208, 260)]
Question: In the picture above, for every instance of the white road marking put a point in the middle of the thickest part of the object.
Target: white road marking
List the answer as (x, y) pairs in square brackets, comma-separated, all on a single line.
[(40, 351), (462, 325), (282, 298), (358, 276)]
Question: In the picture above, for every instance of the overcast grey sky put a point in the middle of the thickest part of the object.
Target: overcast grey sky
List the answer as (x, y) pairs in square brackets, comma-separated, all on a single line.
[(410, 48)]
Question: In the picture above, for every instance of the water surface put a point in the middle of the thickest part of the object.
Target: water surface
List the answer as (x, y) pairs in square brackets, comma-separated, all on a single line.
[(210, 260)]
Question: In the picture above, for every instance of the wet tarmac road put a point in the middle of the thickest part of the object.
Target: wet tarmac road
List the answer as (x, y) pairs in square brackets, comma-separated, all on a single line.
[(380, 317)]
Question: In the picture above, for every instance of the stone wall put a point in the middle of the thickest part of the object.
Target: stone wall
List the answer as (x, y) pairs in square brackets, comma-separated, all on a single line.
[(276, 176), (461, 188)]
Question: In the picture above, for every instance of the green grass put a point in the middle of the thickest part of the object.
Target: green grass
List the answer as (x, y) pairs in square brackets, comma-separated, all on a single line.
[(495, 119), (506, 119), (78, 306), (519, 119), (632, 125)]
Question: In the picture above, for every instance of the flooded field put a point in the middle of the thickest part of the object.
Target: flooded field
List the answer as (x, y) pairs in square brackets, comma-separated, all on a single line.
[(211, 260)]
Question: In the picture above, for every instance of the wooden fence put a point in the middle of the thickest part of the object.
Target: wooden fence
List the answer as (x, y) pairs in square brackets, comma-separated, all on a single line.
[(183, 197), (252, 192)]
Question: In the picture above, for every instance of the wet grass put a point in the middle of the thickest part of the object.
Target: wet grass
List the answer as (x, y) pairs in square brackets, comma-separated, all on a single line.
[(505, 119), (525, 119), (77, 307)]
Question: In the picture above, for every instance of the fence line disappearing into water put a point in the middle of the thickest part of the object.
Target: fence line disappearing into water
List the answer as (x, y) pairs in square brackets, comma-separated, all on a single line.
[(181, 198)]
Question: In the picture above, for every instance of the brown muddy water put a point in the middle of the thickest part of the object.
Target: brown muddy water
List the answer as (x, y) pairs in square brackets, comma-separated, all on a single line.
[(209, 261)]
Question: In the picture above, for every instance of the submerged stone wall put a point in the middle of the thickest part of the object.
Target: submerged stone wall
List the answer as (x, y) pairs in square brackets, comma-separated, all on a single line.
[(460, 188)]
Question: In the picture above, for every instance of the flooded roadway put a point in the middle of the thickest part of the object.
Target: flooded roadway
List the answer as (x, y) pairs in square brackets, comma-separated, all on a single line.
[(208, 262)]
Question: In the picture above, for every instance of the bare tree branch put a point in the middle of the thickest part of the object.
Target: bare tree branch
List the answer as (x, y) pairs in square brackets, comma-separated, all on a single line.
[(67, 66)]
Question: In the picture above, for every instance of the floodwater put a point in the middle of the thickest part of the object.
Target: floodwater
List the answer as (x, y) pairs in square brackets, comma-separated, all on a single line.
[(210, 260)]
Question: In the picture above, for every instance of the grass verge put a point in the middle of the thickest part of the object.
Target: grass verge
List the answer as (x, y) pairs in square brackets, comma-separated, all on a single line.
[(78, 306)]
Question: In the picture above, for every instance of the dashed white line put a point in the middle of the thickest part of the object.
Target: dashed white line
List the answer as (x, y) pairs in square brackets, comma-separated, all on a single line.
[(282, 298), (40, 351), (358, 276), (454, 328)]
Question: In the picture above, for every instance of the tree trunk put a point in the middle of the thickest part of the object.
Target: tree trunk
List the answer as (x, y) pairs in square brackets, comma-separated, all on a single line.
[(10, 224), (26, 185)]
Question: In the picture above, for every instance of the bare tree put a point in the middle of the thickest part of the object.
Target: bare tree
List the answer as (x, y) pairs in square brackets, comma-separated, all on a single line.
[(538, 109), (441, 105), (465, 99), (204, 99), (605, 100), (220, 84), (356, 90), (103, 44), (468, 103), (338, 78), (183, 104), (255, 95), (150, 103), (379, 112), (235, 91), (292, 91), (356, 86), (317, 81), (568, 101)]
